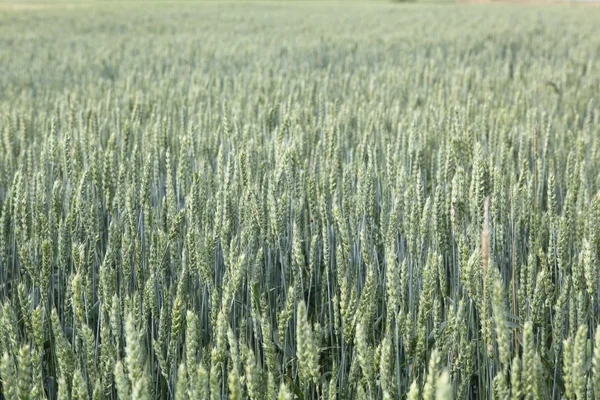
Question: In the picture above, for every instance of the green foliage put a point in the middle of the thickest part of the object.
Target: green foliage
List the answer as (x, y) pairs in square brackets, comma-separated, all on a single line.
[(299, 201)]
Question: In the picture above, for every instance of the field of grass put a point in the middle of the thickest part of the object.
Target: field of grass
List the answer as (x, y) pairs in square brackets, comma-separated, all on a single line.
[(299, 200)]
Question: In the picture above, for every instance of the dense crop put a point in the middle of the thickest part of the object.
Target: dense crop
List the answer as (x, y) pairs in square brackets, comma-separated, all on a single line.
[(298, 200)]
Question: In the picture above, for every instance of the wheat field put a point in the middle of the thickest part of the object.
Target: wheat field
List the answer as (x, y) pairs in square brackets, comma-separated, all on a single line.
[(299, 200)]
